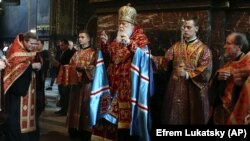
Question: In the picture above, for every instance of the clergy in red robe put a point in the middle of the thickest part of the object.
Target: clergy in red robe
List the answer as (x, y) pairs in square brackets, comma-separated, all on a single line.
[(19, 89), (186, 97), (120, 55), (229, 91)]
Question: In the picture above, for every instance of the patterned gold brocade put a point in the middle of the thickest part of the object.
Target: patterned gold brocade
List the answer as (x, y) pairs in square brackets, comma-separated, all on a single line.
[(27, 108), (184, 99), (19, 59), (232, 112), (119, 77), (68, 75), (123, 125), (80, 82), (127, 13)]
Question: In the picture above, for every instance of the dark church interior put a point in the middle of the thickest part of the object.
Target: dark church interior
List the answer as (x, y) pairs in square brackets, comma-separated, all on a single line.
[(53, 20)]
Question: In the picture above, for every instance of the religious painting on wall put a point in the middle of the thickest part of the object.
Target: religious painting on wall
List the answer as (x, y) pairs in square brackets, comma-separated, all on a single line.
[(43, 11), (43, 16)]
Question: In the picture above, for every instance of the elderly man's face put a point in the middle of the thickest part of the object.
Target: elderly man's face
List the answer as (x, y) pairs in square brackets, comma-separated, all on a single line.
[(231, 50), (125, 27), (125, 30)]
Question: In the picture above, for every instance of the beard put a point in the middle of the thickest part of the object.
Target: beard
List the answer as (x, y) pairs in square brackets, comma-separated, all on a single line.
[(226, 58), (128, 31), (231, 54)]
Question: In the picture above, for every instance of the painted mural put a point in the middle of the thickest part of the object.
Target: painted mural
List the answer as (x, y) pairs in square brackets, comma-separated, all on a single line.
[(17, 19)]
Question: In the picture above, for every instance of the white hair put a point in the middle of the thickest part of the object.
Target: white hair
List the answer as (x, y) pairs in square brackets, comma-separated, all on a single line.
[(127, 30), (71, 44)]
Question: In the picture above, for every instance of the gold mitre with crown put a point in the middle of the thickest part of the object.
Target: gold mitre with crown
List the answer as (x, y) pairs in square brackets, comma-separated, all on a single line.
[(127, 13)]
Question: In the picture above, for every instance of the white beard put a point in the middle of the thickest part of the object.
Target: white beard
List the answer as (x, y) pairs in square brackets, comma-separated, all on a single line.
[(127, 31), (118, 36)]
